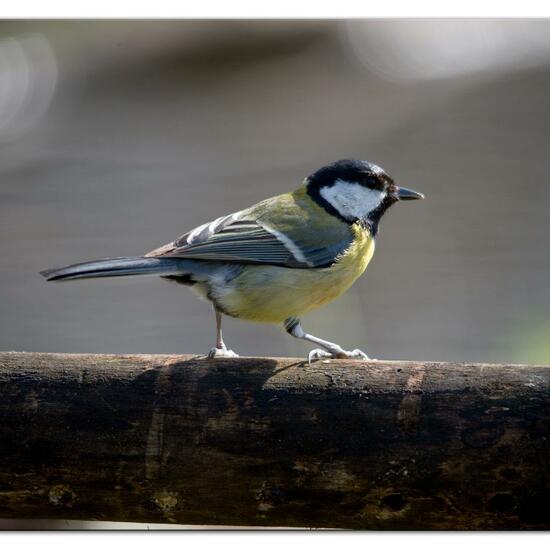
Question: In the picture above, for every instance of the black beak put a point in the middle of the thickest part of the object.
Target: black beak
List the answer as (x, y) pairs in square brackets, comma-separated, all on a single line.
[(404, 194)]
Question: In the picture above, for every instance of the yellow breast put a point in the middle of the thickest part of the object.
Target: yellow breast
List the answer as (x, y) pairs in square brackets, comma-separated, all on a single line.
[(272, 294)]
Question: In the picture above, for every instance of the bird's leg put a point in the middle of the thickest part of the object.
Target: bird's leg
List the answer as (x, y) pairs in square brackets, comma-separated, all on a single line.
[(220, 350), (219, 336), (293, 327)]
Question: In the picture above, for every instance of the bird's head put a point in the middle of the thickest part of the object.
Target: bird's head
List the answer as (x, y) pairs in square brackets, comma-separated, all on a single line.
[(356, 190)]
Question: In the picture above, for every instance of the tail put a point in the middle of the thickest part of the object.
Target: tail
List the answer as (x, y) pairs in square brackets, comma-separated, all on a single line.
[(117, 267)]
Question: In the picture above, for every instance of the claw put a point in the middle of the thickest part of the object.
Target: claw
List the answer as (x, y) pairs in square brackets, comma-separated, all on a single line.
[(357, 354), (337, 354), (216, 353), (315, 354)]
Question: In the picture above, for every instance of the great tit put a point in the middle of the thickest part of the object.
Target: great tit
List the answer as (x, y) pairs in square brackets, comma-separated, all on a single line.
[(278, 259)]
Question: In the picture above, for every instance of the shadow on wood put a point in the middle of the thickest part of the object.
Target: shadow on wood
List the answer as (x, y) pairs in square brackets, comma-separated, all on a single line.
[(274, 442)]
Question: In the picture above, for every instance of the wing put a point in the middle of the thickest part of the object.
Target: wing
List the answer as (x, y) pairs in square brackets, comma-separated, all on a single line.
[(246, 238)]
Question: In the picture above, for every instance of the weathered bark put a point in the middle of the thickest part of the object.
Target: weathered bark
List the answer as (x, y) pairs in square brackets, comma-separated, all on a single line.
[(254, 441)]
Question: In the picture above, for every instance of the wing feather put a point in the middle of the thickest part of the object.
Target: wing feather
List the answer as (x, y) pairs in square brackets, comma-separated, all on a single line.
[(234, 239)]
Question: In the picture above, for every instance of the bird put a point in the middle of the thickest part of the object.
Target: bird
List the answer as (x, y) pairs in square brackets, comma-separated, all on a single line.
[(278, 259)]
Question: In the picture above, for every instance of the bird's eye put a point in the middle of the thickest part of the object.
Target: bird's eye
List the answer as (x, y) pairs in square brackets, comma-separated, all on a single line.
[(373, 181)]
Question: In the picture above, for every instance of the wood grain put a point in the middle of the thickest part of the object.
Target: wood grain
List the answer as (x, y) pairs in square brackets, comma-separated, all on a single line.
[(274, 442)]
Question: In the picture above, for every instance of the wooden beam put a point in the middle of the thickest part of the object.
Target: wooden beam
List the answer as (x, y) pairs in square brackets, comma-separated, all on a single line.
[(274, 442)]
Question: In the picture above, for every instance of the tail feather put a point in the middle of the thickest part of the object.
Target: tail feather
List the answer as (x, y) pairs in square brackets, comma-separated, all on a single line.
[(116, 267)]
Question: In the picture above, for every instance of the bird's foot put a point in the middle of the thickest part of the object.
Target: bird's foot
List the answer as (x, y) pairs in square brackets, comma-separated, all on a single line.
[(216, 353), (336, 353)]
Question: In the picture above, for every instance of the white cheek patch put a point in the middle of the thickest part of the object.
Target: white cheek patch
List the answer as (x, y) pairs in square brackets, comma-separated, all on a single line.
[(352, 200)]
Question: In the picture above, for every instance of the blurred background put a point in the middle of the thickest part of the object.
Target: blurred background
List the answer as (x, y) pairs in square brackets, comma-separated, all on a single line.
[(116, 137)]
